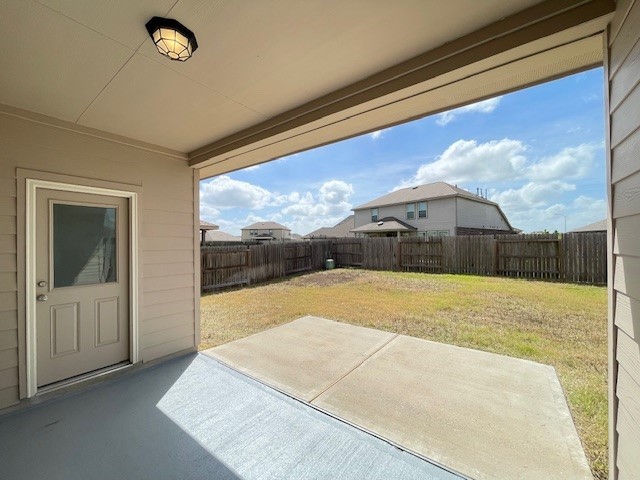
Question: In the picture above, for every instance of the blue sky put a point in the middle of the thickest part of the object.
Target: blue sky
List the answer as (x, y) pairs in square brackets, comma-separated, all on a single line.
[(539, 152)]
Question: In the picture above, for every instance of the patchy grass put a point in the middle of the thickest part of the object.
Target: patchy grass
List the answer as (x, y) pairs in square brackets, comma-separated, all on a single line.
[(558, 324)]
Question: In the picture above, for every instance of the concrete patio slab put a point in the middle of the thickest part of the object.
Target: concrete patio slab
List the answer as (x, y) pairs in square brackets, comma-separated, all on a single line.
[(487, 416), (304, 357), (193, 418)]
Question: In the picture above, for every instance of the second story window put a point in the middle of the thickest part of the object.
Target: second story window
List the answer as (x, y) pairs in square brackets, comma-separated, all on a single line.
[(271, 232), (422, 210), (253, 232), (411, 211), (374, 214)]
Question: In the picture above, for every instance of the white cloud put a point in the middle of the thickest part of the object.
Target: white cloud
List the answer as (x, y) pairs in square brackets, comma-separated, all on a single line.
[(335, 191), (466, 160), (300, 211), (532, 194), (570, 163), (485, 106), (379, 133), (224, 192)]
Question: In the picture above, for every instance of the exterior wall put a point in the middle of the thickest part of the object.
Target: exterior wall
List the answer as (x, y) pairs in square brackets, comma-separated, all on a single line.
[(278, 234), (445, 215), (622, 68), (480, 215), (441, 215), (168, 222)]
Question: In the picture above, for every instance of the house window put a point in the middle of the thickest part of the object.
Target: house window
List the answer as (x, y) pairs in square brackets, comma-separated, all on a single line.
[(374, 214), (422, 210), (253, 232), (271, 232), (411, 211)]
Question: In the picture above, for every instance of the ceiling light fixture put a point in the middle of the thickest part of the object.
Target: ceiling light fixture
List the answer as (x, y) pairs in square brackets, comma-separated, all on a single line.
[(171, 38)]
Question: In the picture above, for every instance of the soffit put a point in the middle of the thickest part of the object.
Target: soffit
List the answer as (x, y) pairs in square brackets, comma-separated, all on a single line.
[(92, 64)]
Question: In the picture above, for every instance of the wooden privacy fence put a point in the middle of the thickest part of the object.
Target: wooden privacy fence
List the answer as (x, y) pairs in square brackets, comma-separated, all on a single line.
[(573, 257), (228, 266)]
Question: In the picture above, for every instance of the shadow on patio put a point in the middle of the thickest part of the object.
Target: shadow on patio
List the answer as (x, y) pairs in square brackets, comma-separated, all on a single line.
[(192, 418)]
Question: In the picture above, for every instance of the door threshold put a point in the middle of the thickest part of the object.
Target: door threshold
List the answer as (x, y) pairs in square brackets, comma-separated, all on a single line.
[(52, 387)]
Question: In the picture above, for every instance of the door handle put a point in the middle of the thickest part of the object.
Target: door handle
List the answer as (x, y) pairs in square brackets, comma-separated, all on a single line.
[(42, 298)]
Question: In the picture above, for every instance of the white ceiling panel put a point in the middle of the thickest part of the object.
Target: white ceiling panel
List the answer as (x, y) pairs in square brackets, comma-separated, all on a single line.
[(92, 63), (154, 104), (273, 56), (51, 64), (121, 20)]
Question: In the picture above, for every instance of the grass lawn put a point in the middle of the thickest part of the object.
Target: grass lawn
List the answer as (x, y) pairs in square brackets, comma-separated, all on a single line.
[(558, 324)]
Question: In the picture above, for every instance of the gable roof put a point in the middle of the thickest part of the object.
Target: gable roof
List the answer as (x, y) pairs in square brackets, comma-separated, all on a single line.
[(387, 224), (599, 226), (418, 193), (339, 230), (265, 226)]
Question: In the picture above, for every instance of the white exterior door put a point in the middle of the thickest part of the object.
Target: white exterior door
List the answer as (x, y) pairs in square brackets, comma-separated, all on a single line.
[(82, 283)]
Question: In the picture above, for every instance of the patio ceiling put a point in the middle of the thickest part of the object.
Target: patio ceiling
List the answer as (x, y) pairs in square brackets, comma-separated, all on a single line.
[(273, 78)]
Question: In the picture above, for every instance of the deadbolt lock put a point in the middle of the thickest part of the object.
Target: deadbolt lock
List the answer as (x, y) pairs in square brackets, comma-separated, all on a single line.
[(42, 283)]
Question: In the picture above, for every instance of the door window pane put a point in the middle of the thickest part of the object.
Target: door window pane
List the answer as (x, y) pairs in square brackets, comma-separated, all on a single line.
[(84, 245)]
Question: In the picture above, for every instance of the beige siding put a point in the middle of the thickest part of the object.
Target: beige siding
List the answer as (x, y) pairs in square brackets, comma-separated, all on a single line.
[(624, 140), (168, 254), (8, 290), (441, 215), (480, 215)]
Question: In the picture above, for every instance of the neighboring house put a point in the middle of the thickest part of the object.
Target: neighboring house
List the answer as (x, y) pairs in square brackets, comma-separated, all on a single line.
[(340, 230), (599, 226), (220, 236), (265, 232), (432, 210)]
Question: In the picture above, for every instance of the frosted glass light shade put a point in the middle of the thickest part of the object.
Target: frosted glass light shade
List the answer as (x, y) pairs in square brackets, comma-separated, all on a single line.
[(171, 38)]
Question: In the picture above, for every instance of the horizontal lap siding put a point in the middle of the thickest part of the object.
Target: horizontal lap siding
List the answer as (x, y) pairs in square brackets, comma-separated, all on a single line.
[(8, 296), (166, 209), (624, 105)]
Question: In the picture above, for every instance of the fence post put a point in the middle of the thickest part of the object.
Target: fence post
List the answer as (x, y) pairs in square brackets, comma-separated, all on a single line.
[(248, 265), (399, 255), (561, 271), (496, 262)]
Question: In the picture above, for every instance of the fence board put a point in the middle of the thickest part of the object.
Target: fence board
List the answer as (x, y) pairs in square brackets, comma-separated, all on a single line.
[(573, 257)]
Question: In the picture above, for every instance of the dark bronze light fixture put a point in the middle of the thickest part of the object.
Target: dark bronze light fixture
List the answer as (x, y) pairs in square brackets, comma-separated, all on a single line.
[(171, 38)]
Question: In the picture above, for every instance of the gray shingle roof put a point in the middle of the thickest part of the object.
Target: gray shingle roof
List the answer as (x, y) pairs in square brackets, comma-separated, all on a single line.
[(387, 224), (599, 226), (208, 226), (220, 236), (339, 230), (265, 226), (428, 191)]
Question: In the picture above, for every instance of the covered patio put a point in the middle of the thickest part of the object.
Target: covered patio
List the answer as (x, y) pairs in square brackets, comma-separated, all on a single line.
[(95, 123)]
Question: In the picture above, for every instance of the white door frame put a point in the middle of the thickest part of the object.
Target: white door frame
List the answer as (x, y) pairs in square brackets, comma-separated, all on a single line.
[(32, 187)]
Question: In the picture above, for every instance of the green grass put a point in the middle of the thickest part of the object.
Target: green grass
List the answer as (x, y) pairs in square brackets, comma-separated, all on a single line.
[(553, 323)]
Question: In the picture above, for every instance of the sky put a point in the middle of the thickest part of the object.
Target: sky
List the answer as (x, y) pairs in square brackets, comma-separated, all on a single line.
[(538, 152)]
